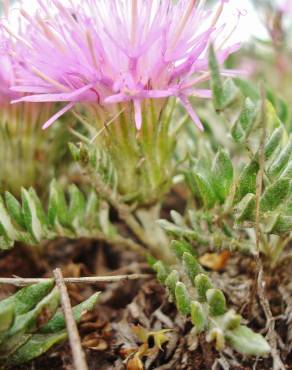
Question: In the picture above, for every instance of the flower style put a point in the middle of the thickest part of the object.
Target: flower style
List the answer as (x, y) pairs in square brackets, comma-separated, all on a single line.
[(108, 52)]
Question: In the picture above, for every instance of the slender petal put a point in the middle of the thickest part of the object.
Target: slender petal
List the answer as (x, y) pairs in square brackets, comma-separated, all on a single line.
[(58, 115)]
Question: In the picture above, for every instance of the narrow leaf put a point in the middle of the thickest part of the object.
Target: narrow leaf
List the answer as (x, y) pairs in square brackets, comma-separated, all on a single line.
[(222, 171), (35, 347), (57, 323), (274, 195), (182, 298), (246, 342), (216, 301)]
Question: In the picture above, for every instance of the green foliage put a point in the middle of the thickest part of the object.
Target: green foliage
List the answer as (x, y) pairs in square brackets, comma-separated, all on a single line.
[(224, 182), (196, 297), (224, 93), (98, 161), (138, 167), (71, 215), (30, 322)]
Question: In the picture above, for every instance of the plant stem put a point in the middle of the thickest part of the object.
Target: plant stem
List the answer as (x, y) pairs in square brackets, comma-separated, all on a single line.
[(125, 214), (259, 282)]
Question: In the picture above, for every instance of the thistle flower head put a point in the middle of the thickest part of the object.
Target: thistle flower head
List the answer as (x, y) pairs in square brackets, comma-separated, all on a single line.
[(118, 51), (26, 155), (7, 76)]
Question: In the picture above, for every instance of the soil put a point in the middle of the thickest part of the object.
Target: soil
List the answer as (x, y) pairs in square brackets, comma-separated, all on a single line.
[(107, 333)]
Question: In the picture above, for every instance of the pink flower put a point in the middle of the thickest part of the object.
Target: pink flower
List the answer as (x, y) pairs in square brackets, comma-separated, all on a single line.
[(7, 76), (118, 51), (286, 7), (24, 114)]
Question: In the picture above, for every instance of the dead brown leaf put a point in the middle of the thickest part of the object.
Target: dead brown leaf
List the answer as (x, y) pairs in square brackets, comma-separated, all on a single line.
[(215, 261)]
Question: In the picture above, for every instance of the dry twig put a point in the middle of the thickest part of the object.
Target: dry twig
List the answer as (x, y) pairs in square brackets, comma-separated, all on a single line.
[(18, 281), (74, 338)]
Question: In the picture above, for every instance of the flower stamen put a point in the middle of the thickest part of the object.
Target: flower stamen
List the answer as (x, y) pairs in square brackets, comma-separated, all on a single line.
[(218, 13), (49, 79), (183, 23), (91, 48), (134, 21), (18, 38)]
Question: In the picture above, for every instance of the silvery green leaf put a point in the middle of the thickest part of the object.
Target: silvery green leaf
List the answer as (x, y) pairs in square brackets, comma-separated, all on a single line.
[(57, 210), (281, 161), (177, 218), (230, 93), (161, 270), (191, 265), (216, 335), (198, 316), (30, 215), (171, 281), (274, 142), (287, 172), (30, 321), (231, 320), (182, 299), (203, 284), (76, 207), (205, 189), (247, 180), (35, 346), (216, 82), (5, 243), (244, 123), (177, 231), (181, 247), (57, 322), (216, 301), (92, 210), (75, 152), (14, 209), (26, 298), (245, 209), (282, 225), (6, 317), (39, 208), (247, 88), (222, 172), (6, 227), (104, 219), (274, 195), (246, 342)]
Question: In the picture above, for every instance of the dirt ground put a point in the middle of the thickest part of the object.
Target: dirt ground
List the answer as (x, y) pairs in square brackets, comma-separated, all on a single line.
[(107, 333)]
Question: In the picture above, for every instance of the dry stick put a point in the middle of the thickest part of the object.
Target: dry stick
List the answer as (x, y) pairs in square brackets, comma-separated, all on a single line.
[(259, 283), (74, 338), (17, 281)]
